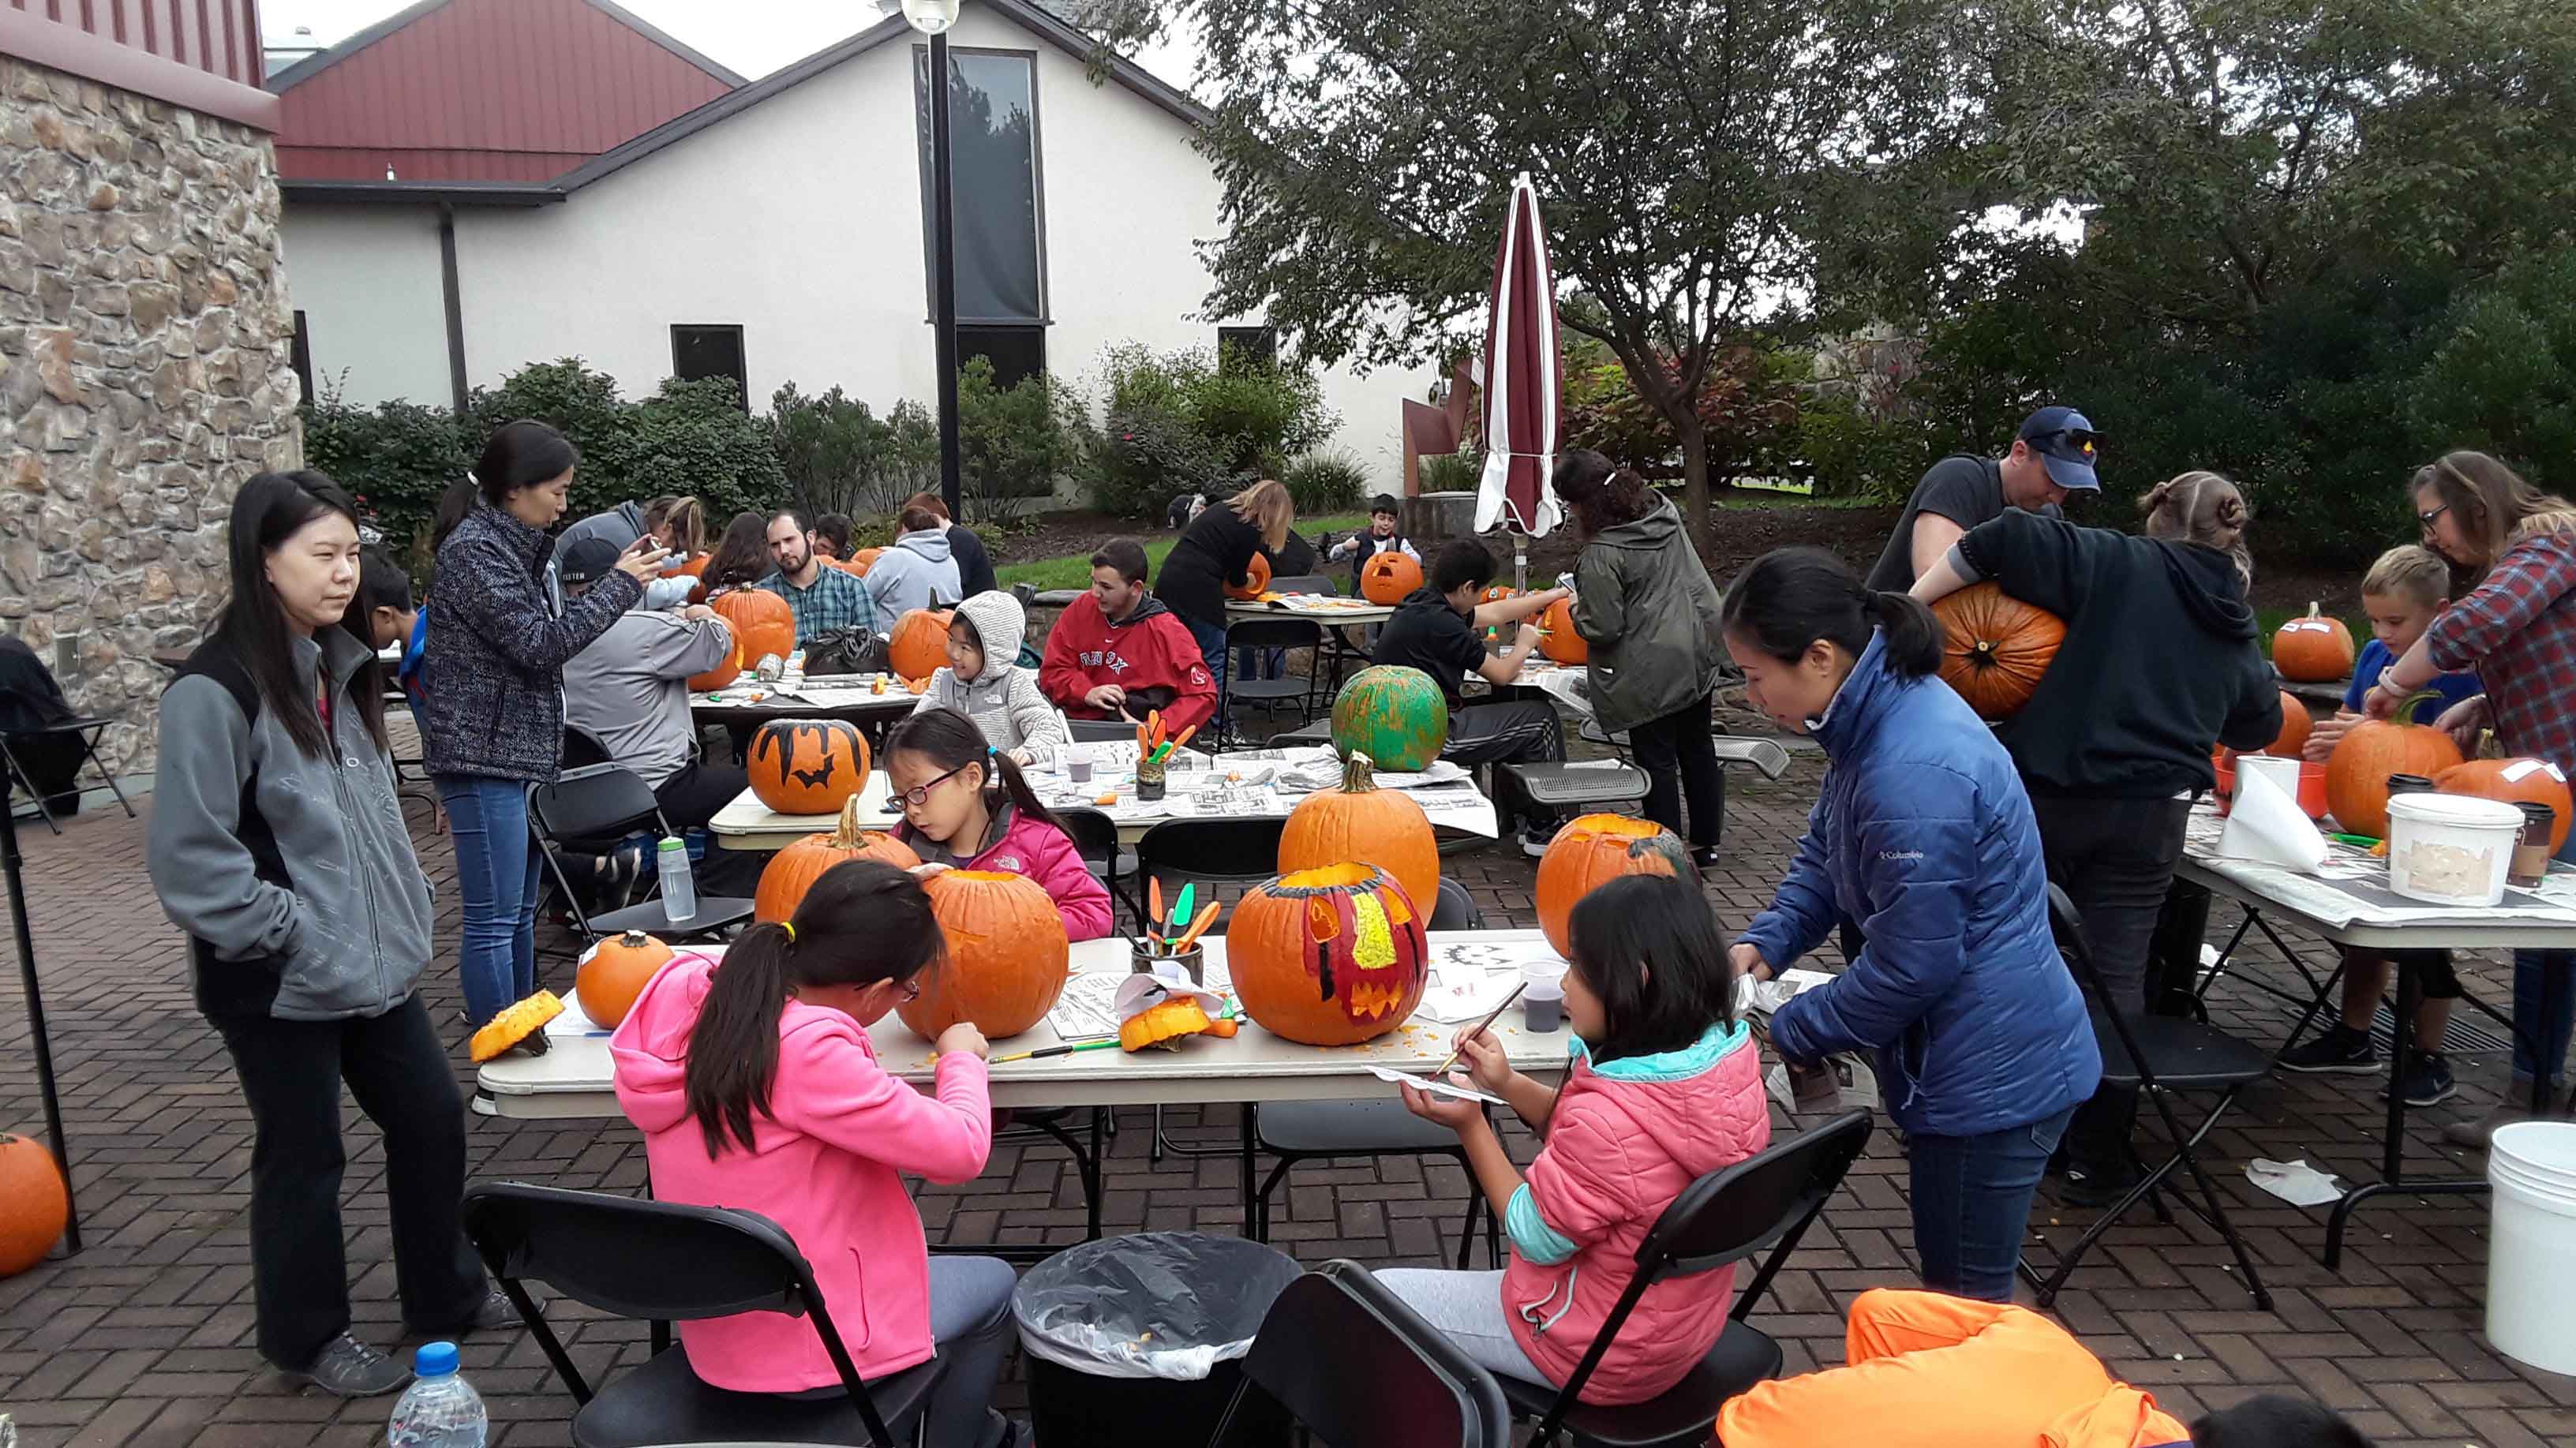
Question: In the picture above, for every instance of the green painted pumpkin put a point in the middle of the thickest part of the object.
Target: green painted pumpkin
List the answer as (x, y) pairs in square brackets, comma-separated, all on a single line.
[(1396, 716)]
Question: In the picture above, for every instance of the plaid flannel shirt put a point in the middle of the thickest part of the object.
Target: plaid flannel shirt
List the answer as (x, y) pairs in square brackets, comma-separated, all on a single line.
[(835, 601), (2517, 629)]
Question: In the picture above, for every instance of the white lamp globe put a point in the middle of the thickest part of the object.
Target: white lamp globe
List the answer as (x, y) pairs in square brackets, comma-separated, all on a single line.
[(931, 17)]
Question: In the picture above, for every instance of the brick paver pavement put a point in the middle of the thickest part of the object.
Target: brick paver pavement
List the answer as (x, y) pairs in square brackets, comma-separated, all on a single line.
[(144, 1340)]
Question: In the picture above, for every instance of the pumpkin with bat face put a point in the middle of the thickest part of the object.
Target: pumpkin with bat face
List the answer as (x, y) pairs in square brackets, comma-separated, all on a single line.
[(1328, 957), (808, 766)]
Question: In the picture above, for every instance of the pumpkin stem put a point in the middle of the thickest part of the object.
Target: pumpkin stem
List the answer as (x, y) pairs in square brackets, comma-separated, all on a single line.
[(632, 940), (2406, 707), (2313, 607), (850, 835), (1357, 777), (2487, 747)]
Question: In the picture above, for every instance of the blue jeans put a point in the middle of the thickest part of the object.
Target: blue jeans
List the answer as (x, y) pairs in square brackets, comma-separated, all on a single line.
[(2544, 1004), (1211, 637), (1972, 1204), (496, 879)]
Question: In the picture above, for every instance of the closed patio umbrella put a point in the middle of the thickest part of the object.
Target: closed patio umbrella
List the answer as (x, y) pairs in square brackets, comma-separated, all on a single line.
[(1524, 376)]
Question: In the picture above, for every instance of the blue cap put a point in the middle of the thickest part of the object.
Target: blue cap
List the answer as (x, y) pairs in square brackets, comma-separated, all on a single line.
[(434, 1360), (2066, 443)]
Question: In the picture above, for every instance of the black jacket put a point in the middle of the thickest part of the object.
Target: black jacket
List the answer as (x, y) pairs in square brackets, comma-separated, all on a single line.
[(2160, 660), (1216, 550), (974, 565)]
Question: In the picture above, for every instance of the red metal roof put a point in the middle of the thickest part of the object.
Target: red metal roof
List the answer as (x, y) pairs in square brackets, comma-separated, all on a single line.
[(202, 54), (485, 90)]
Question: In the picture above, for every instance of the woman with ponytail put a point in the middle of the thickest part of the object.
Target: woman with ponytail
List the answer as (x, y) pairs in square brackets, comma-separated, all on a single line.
[(755, 1086), (966, 805), (2160, 665), (1923, 839)]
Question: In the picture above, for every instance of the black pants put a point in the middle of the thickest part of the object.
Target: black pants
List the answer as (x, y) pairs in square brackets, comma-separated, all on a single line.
[(291, 1073), (692, 797), (2114, 857), (1679, 754), (1525, 732), (2173, 959)]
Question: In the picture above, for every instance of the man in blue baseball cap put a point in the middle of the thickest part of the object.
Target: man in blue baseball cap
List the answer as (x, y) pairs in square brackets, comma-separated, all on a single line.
[(2051, 456)]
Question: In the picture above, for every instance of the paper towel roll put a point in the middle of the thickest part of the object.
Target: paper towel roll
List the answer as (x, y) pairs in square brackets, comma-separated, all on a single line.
[(2267, 824)]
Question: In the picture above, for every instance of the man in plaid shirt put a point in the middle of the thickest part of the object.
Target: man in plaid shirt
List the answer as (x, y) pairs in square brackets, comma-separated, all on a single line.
[(823, 597)]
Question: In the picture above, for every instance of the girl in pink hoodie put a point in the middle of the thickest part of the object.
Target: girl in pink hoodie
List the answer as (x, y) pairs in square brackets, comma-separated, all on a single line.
[(755, 1086), (968, 807), (1665, 1086)]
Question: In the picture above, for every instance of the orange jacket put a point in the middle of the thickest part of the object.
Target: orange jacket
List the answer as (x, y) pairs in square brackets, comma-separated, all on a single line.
[(1930, 1371)]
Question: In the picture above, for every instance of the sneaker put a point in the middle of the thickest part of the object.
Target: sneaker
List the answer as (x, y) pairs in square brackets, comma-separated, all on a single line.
[(1535, 839), (492, 1312), (2090, 1186), (1704, 858), (2341, 1050), (2426, 1081), (349, 1368), (2516, 1106)]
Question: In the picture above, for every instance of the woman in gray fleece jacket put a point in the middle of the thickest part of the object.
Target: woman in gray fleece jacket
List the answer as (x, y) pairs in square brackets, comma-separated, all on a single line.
[(277, 844)]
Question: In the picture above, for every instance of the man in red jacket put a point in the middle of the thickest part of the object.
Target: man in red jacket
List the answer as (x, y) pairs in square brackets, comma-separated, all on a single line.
[(1117, 653)]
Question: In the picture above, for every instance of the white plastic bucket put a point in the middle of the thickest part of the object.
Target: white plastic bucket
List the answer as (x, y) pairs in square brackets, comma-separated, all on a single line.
[(2450, 849), (2531, 1261)]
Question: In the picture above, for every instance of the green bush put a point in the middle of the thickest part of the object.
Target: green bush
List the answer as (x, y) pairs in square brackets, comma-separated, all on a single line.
[(1145, 455), (1325, 482), (841, 458), (1174, 423), (397, 457), (690, 437), (1850, 455), (1458, 472), (1012, 443)]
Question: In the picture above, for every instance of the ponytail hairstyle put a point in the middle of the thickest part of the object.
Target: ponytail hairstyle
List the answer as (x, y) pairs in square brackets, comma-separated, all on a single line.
[(1788, 598), (1648, 947), (2202, 508), (1599, 493), (953, 741), (270, 509), (687, 519), (741, 556), (453, 505), (864, 921), (522, 454)]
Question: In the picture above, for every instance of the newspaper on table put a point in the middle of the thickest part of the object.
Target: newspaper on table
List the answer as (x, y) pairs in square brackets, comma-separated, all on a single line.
[(2351, 887), (1253, 784), (1843, 1081)]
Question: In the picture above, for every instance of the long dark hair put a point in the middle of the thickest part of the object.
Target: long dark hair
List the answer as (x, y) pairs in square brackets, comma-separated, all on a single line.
[(453, 505), (381, 584), (1649, 948), (266, 512), (1790, 597), (953, 741), (520, 453), (741, 556), (864, 921), (1598, 492)]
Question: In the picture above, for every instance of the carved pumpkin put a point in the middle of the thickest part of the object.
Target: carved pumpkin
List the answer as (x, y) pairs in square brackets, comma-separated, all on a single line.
[(1359, 821), (793, 871), (1557, 638), (2295, 724), (34, 1206), (762, 623), (1389, 577), (1007, 955), (2514, 781), (918, 647), (616, 973), (1396, 716), (1995, 648), (1328, 957), (2370, 751), (1256, 580), (727, 669), (1593, 850), (808, 766), (2313, 650)]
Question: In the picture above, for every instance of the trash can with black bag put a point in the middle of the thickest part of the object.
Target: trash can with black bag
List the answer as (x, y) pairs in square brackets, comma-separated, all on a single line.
[(1138, 1339)]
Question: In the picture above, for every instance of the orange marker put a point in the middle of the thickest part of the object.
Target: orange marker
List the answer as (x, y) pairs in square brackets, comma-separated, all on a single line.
[(1184, 739), (1198, 927), (1154, 918)]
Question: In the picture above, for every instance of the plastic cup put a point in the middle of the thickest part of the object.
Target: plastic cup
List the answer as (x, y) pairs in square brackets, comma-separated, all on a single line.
[(1543, 1005), (1077, 763)]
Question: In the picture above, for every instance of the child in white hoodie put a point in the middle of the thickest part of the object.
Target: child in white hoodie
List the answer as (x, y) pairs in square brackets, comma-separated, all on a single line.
[(984, 683)]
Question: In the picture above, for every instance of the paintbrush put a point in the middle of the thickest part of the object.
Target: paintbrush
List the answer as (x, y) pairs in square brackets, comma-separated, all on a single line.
[(1052, 1051), (1481, 1026)]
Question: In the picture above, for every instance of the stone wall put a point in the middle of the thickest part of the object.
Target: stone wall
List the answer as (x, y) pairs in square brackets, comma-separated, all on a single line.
[(145, 374)]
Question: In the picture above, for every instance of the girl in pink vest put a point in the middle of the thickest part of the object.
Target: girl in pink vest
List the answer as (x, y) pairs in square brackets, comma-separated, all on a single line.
[(968, 807), (1664, 1087), (755, 1087)]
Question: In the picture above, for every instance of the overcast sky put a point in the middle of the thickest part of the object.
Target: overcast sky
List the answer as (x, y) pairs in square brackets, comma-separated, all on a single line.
[(754, 37)]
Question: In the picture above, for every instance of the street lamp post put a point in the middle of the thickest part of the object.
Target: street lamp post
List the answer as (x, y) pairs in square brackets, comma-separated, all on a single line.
[(933, 18)]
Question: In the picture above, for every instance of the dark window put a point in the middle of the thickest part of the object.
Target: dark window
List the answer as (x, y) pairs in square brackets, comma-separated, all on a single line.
[(994, 184), (1017, 353), (711, 352), (302, 358), (1247, 347)]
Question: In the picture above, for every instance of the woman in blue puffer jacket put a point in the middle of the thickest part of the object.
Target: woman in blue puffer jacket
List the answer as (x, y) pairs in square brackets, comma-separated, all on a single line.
[(1922, 838)]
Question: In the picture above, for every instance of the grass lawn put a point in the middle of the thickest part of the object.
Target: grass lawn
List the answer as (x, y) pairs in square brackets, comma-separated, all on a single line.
[(1073, 570)]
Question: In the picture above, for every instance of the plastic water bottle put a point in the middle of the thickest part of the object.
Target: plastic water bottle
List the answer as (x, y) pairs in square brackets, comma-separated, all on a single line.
[(440, 1409), (679, 887)]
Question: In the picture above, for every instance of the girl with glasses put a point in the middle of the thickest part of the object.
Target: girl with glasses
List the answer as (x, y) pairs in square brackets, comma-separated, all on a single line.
[(967, 806)]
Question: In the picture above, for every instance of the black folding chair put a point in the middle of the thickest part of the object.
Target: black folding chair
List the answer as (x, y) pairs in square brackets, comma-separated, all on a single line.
[(1269, 695), (666, 1262), (68, 736), (1101, 731), (2157, 1056), (1766, 1200), (1095, 838), (589, 810), (1208, 853), (1290, 1132), (1341, 1357)]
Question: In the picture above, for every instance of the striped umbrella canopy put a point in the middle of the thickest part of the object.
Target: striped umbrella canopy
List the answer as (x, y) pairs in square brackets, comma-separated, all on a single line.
[(1524, 376)]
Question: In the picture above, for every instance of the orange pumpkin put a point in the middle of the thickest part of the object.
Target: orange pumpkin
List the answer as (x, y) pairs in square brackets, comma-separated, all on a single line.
[(2313, 649), (616, 973), (793, 871), (1995, 648), (2370, 751), (2514, 781), (1359, 821), (1328, 957), (1389, 577), (1256, 580), (1557, 638), (761, 621), (863, 560), (727, 669), (1593, 850), (34, 1204), (696, 568), (808, 766), (2295, 724), (918, 647), (1007, 955)]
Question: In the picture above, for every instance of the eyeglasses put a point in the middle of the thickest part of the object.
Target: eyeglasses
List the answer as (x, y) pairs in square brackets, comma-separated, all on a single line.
[(920, 795), (2426, 519), (912, 990)]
